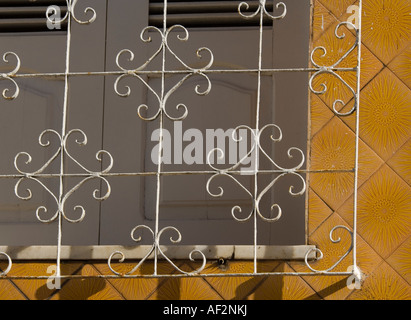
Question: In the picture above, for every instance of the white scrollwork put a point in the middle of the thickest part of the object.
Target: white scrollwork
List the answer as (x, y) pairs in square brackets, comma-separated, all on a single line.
[(8, 76), (330, 70), (256, 147), (61, 151), (71, 4), (9, 264), (156, 246), (320, 254), (163, 97), (262, 9)]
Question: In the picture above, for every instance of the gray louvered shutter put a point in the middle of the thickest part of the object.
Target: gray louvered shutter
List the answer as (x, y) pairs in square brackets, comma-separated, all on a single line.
[(196, 14), (28, 15)]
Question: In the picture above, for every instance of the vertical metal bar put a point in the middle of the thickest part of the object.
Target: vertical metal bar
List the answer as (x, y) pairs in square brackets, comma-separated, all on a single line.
[(257, 128), (357, 125), (160, 143), (63, 134)]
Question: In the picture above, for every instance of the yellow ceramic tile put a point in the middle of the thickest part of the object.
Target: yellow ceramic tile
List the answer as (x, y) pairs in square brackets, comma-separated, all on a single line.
[(9, 292), (400, 260), (320, 114), (37, 289), (383, 214), (284, 287), (385, 114), (87, 288), (185, 288), (386, 27), (329, 287), (318, 211), (333, 148), (401, 161), (322, 19), (236, 288), (383, 284), (401, 66), (335, 49), (136, 289), (322, 238), (338, 7), (335, 287)]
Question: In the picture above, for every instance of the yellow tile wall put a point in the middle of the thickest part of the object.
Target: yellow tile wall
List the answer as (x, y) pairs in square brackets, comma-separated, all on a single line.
[(384, 199)]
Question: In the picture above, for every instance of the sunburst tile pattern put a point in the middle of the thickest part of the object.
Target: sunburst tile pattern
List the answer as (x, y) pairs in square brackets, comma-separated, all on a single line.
[(35, 289), (236, 288), (335, 287), (335, 50), (333, 149), (318, 209), (385, 114), (400, 260), (320, 114), (386, 27), (284, 288), (191, 288), (322, 19), (87, 288), (383, 284), (384, 216), (138, 288), (401, 66), (401, 161), (8, 291), (329, 287), (337, 8)]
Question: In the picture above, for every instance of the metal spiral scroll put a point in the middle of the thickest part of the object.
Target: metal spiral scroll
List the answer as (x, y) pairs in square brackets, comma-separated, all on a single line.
[(262, 9), (163, 98), (71, 4), (256, 147), (156, 246), (318, 251), (8, 76), (330, 70), (61, 151), (9, 264)]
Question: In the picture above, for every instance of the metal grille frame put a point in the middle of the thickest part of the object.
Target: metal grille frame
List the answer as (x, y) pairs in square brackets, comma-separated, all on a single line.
[(155, 250)]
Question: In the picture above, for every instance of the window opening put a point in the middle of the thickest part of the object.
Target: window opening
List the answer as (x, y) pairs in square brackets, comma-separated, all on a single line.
[(161, 114)]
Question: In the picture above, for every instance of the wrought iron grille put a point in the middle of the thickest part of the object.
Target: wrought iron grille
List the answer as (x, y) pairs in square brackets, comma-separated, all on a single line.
[(156, 251)]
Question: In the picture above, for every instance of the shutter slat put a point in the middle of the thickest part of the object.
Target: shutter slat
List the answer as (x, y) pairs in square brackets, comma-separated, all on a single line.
[(30, 3), (199, 7), (28, 15), (25, 12), (25, 25), (194, 20), (204, 13)]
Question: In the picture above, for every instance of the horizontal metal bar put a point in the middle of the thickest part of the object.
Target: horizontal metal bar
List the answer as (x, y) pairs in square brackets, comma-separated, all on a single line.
[(163, 173), (170, 72), (99, 252), (179, 275)]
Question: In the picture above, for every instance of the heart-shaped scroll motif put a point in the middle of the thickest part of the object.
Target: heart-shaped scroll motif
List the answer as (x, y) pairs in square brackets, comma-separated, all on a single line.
[(255, 149), (163, 96), (59, 154), (157, 249)]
